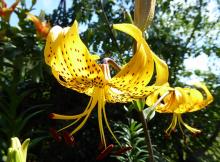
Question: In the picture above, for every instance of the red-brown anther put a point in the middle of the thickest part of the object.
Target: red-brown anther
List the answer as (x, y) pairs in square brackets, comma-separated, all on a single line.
[(55, 135), (100, 146), (174, 130), (166, 136), (123, 150), (105, 152), (68, 138), (185, 140), (51, 116), (196, 134)]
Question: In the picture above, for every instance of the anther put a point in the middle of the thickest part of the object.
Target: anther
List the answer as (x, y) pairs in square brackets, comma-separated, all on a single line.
[(105, 152)]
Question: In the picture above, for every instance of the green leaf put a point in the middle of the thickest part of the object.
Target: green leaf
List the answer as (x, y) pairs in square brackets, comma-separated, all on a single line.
[(22, 121), (149, 113), (35, 141)]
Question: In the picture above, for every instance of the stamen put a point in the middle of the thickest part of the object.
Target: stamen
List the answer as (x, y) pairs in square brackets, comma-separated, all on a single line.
[(166, 136), (51, 116), (123, 150), (112, 63), (172, 125), (66, 117), (197, 134), (108, 126), (100, 146), (68, 138), (105, 152), (191, 129)]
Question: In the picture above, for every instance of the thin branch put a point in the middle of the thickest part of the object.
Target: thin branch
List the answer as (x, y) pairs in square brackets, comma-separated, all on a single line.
[(194, 29), (109, 27)]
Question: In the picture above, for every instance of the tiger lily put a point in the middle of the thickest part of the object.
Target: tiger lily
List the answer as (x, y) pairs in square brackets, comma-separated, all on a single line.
[(181, 100), (6, 12), (75, 68), (42, 28)]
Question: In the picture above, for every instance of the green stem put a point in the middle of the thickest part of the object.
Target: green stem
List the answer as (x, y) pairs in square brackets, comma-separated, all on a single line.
[(147, 137)]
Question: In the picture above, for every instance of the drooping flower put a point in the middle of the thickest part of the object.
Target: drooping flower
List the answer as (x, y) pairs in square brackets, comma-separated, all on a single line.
[(42, 27), (74, 67), (5, 12), (179, 101)]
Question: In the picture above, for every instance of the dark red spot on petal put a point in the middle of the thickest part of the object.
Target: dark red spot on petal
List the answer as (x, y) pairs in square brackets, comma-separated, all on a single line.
[(105, 152)]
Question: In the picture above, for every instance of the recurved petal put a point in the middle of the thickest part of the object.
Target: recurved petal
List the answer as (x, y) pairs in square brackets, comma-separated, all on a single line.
[(208, 95), (75, 67), (167, 104), (152, 99), (51, 47), (130, 29), (137, 73), (162, 72), (114, 95), (201, 98)]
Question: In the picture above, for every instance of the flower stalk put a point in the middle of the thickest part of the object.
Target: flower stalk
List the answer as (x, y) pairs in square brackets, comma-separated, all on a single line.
[(147, 136), (143, 16)]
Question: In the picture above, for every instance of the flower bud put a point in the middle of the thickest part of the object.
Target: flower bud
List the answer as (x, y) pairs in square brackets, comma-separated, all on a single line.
[(17, 152)]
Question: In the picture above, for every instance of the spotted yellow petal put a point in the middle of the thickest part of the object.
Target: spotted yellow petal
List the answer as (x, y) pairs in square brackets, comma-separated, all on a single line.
[(70, 59), (184, 102), (137, 73), (169, 103), (202, 98), (162, 72)]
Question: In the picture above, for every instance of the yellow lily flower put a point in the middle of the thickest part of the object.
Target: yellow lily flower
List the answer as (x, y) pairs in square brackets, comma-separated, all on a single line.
[(42, 28), (6, 12), (179, 101), (74, 67)]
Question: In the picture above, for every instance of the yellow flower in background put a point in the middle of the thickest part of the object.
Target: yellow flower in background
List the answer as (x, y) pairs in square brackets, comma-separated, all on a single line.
[(5, 12), (179, 101), (74, 67), (42, 27)]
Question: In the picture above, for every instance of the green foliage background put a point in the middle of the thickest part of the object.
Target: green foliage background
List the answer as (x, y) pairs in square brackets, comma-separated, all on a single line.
[(29, 92)]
